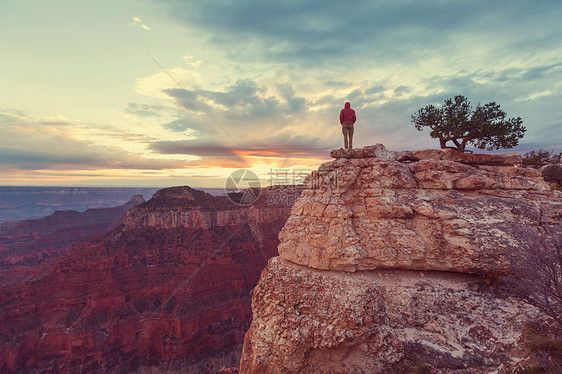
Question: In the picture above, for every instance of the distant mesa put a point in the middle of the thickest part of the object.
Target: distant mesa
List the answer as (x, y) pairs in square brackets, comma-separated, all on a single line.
[(136, 200), (20, 203)]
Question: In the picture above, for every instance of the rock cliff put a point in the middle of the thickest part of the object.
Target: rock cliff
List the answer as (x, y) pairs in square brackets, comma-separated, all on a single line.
[(167, 291), (380, 263)]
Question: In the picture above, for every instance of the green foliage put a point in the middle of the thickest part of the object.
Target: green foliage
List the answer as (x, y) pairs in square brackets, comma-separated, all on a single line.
[(553, 173), (485, 127), (537, 158)]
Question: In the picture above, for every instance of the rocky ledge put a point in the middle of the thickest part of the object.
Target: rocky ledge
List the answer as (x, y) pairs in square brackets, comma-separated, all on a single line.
[(380, 263), (419, 211), (447, 154)]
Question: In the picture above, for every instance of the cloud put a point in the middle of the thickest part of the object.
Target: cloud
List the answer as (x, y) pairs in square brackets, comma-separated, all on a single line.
[(191, 62), (192, 127), (154, 85), (242, 103), (335, 32), (210, 153), (28, 143), (239, 113), (246, 115), (193, 147), (137, 22), (281, 146), (289, 66), (264, 82), (247, 110), (145, 110)]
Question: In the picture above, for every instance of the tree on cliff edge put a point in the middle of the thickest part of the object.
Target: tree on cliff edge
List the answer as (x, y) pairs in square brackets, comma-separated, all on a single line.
[(485, 127)]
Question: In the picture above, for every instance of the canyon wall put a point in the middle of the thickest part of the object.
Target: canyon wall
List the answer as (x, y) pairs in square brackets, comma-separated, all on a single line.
[(26, 244), (167, 291), (383, 259)]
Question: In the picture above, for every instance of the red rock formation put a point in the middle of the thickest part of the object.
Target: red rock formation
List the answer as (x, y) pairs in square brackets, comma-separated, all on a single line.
[(169, 289), (24, 244), (379, 264)]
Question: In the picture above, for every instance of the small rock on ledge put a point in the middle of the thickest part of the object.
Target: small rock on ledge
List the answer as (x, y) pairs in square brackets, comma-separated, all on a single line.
[(447, 154), (377, 150)]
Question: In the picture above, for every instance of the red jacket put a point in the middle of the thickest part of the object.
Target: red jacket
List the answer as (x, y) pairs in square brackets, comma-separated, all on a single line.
[(347, 115)]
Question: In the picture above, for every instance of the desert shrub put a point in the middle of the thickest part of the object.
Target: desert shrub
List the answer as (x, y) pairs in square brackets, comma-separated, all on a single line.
[(537, 279), (553, 173), (537, 158), (541, 338)]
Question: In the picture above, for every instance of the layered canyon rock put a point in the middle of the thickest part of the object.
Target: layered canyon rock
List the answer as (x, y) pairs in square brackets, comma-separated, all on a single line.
[(381, 263), (26, 244), (167, 291)]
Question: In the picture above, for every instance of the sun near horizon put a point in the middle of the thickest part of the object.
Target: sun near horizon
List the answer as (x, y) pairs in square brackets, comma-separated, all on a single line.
[(163, 93)]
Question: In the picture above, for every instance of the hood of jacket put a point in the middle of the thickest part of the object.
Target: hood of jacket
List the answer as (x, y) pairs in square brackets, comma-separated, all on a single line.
[(347, 105)]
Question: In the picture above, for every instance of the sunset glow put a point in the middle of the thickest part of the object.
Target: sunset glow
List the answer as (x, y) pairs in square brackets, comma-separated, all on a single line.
[(163, 93)]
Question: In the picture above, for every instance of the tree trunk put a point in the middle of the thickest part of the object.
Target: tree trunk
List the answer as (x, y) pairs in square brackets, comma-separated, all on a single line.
[(460, 146)]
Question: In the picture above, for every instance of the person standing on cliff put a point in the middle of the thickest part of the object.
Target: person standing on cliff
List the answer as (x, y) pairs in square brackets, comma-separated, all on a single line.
[(347, 119)]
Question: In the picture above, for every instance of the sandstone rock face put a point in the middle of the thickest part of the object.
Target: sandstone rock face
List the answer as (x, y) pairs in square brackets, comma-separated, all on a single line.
[(464, 158), (368, 213), (199, 210), (380, 259), (159, 293), (312, 321)]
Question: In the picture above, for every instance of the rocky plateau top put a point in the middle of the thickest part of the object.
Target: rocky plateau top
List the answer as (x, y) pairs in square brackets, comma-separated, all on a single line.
[(418, 210)]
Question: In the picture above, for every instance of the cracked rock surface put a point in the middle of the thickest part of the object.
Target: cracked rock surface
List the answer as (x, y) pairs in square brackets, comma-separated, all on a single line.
[(381, 261)]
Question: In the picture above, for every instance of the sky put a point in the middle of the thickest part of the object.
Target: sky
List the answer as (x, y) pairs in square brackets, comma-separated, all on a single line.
[(168, 92)]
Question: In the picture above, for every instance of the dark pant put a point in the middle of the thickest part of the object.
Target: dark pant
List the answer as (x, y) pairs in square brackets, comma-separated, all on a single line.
[(347, 130)]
